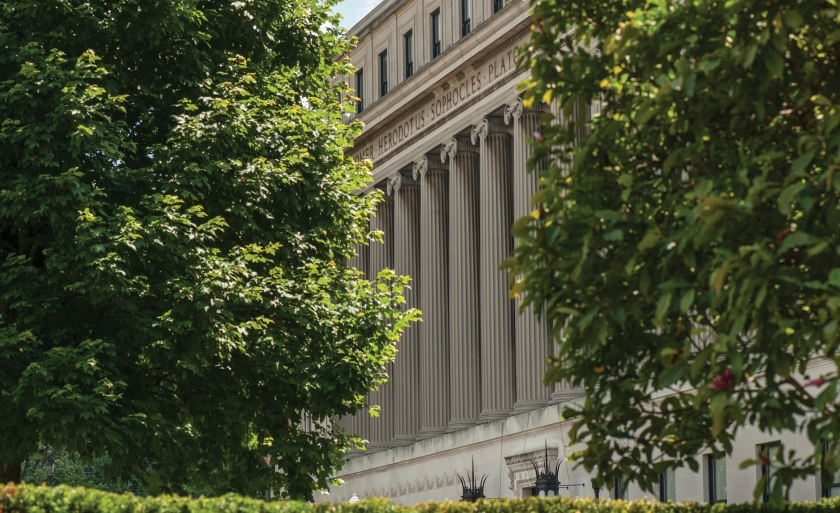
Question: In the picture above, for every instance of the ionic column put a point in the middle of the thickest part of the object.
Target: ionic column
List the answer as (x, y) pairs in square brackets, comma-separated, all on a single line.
[(495, 218), (531, 339), (381, 428), (434, 296), (464, 314), (406, 377)]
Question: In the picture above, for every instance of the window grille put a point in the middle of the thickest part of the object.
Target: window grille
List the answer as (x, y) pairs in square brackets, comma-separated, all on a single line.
[(465, 17), (383, 73), (360, 91), (409, 54), (435, 33)]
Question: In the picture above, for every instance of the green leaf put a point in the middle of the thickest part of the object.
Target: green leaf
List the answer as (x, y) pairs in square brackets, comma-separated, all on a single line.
[(672, 374), (774, 62)]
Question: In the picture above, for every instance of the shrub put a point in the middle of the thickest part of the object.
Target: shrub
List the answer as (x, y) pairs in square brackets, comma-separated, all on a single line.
[(66, 499)]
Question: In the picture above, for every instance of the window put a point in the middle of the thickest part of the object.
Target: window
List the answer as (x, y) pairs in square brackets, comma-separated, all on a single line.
[(383, 74), (668, 485), (435, 33), (831, 489), (409, 54), (497, 5), (772, 453), (360, 91), (717, 479), (619, 489), (465, 17)]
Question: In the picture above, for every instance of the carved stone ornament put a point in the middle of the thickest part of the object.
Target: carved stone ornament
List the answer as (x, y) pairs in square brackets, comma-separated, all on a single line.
[(514, 110), (455, 146), (398, 180), (521, 468), (426, 164), (485, 127)]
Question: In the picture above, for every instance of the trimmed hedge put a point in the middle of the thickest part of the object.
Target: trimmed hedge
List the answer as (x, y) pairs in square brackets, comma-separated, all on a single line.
[(66, 499)]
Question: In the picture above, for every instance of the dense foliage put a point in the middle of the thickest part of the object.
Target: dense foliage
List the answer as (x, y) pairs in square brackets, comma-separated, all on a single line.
[(687, 250), (64, 499), (54, 468), (175, 211)]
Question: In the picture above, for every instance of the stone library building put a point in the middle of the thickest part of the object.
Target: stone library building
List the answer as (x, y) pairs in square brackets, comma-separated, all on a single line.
[(447, 135)]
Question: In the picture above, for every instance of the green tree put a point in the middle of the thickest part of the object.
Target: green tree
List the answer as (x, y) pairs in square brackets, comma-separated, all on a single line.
[(687, 250), (175, 212), (56, 468)]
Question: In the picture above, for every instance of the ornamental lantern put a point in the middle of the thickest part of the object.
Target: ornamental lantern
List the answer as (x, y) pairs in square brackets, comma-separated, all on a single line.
[(472, 490), (547, 483)]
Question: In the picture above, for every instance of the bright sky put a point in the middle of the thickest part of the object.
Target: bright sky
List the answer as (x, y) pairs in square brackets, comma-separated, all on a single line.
[(353, 10)]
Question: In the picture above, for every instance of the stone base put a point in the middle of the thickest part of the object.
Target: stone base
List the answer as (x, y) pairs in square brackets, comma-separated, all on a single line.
[(459, 424), (373, 447), (403, 440), (430, 432), (491, 415), (562, 395), (529, 404)]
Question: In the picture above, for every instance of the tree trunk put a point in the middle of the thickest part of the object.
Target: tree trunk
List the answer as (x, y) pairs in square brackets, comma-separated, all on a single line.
[(10, 473)]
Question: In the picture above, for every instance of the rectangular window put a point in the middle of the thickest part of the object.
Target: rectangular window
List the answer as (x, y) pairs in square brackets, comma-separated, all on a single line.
[(435, 33), (497, 5), (771, 452), (409, 54), (668, 486), (831, 488), (620, 489), (465, 17), (383, 74), (717, 479), (360, 91)]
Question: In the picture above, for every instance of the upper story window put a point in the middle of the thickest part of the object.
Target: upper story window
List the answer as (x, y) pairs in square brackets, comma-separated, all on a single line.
[(435, 33), (465, 17), (409, 54), (498, 4), (383, 73), (360, 91), (717, 479)]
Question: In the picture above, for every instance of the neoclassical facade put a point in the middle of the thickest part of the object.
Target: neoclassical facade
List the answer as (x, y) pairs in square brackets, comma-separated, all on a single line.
[(447, 135)]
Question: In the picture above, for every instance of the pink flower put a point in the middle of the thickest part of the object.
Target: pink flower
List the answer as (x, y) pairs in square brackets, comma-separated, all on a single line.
[(815, 382), (538, 137), (723, 381), (764, 461)]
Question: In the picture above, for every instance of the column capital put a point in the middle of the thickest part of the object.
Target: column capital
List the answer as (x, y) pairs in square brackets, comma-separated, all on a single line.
[(456, 145), (487, 126), (425, 164), (398, 180), (513, 110)]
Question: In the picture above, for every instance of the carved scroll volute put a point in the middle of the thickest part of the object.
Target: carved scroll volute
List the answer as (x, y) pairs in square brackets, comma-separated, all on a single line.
[(427, 163), (455, 146), (513, 110), (485, 127), (398, 180)]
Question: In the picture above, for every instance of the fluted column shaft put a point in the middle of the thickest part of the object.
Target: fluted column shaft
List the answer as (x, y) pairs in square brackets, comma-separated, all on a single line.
[(531, 340), (464, 301), (434, 337), (381, 428), (495, 213), (406, 376)]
